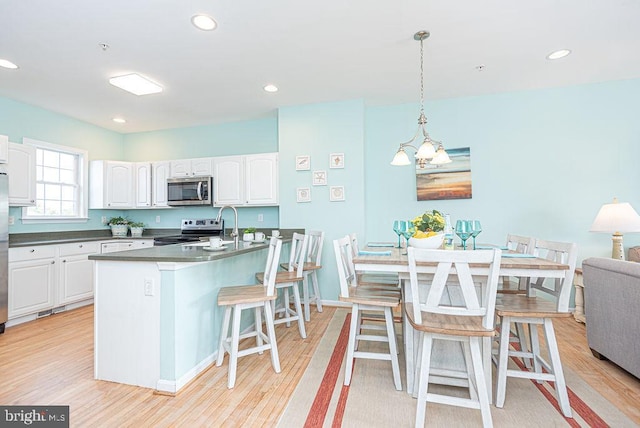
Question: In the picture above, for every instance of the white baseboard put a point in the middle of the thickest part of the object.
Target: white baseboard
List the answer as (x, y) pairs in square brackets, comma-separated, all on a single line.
[(172, 387)]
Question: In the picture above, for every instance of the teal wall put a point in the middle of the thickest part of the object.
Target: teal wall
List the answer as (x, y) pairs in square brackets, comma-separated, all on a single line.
[(236, 138), (18, 120), (318, 130), (543, 162)]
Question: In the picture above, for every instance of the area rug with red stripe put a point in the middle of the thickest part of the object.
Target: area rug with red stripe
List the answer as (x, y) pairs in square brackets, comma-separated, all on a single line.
[(321, 399)]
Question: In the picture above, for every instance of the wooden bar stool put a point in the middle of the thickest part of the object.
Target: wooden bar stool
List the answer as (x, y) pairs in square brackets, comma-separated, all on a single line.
[(371, 299), (531, 312), (258, 297), (288, 282)]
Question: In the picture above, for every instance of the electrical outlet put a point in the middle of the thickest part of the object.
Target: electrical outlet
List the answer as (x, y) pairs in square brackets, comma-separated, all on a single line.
[(104, 219), (157, 219), (12, 220), (148, 287), (260, 217)]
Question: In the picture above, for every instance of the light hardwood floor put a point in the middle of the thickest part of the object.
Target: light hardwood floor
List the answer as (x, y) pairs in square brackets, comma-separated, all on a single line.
[(50, 361)]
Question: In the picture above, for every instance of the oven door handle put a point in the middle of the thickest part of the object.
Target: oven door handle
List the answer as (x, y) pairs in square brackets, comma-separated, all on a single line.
[(200, 190)]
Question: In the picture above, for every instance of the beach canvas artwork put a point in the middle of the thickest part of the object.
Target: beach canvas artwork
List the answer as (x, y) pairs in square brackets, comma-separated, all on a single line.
[(449, 181)]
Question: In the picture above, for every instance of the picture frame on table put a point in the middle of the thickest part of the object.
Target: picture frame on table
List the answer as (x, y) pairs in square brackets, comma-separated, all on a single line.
[(303, 163), (336, 160), (303, 194), (319, 178), (336, 193)]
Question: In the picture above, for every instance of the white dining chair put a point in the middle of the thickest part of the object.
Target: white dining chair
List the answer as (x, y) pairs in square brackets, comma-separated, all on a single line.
[(531, 311), (288, 281), (450, 307), (235, 299), (369, 277), (371, 299), (518, 244)]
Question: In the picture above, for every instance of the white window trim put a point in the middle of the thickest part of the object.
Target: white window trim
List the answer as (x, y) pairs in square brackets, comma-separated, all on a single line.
[(83, 209)]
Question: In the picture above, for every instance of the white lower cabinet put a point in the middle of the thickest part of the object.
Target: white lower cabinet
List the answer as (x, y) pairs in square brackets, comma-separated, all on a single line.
[(32, 279), (76, 271)]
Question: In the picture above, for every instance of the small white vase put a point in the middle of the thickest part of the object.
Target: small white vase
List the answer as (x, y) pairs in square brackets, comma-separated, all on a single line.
[(136, 232), (119, 230), (248, 237)]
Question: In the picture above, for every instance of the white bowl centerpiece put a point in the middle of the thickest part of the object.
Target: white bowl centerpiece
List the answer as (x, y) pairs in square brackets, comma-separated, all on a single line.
[(428, 230)]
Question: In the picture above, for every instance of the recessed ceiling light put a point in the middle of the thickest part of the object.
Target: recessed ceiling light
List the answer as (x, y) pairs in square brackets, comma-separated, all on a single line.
[(559, 54), (119, 120), (7, 64), (204, 22), (271, 88), (135, 84)]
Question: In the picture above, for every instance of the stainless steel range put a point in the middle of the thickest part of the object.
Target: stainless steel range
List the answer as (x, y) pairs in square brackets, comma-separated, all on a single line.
[(192, 230)]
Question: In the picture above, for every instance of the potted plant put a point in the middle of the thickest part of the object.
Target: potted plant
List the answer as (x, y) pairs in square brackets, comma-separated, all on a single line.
[(137, 227), (119, 226), (249, 234)]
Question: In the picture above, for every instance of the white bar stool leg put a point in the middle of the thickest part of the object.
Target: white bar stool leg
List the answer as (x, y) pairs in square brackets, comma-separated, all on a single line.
[(271, 333), (223, 335), (556, 364)]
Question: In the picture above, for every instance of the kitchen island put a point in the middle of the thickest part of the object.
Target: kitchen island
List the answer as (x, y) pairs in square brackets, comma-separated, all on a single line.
[(157, 323)]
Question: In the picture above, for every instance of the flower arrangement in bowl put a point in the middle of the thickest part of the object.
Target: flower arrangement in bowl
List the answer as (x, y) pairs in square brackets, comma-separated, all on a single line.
[(428, 230), (119, 226)]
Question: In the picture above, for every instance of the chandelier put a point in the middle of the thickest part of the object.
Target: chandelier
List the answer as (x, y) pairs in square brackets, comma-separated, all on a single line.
[(427, 151)]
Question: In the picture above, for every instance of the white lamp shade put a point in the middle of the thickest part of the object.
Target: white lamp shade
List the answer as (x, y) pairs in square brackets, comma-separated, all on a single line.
[(441, 157), (401, 158), (616, 217), (426, 150)]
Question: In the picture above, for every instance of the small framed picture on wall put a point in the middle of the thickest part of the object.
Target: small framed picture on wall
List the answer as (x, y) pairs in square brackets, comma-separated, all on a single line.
[(319, 178), (303, 194), (303, 163), (336, 160), (336, 193)]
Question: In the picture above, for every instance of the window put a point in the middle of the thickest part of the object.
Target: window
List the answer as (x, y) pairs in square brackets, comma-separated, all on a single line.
[(61, 184)]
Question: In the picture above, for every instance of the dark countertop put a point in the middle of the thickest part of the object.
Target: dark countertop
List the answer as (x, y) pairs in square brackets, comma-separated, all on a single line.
[(52, 238), (180, 253)]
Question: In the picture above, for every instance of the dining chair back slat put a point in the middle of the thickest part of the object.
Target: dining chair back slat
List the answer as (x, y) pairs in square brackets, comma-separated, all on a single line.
[(560, 252), (439, 290)]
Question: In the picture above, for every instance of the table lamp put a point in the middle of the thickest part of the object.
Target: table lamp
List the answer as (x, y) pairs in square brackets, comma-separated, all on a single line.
[(616, 218)]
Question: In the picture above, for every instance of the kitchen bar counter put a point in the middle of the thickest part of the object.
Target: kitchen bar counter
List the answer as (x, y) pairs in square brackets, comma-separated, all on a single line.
[(181, 253), (157, 322)]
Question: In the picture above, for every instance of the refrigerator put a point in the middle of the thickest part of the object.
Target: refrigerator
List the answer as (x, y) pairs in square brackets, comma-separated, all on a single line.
[(4, 249)]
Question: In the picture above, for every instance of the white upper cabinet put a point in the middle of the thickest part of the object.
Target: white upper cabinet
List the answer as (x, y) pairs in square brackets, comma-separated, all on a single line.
[(246, 180), (191, 167), (160, 172), (228, 180), (261, 179), (4, 149), (22, 175), (111, 185), (143, 184)]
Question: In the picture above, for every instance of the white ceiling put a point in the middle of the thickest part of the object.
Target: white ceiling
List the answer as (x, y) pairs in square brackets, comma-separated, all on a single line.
[(314, 51)]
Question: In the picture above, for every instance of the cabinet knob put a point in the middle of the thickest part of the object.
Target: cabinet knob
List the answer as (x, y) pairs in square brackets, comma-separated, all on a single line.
[(80, 245), (64, 261), (32, 250), (53, 262)]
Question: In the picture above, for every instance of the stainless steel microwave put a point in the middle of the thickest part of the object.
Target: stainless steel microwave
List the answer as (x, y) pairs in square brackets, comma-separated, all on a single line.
[(190, 191)]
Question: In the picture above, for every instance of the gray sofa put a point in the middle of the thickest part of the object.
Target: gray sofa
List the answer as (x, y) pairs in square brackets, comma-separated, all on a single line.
[(612, 308)]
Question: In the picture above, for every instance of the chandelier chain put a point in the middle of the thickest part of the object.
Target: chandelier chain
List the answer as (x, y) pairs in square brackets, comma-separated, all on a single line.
[(421, 74)]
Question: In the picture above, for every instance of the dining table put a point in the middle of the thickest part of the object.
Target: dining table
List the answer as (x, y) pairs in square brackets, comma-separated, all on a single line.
[(394, 260)]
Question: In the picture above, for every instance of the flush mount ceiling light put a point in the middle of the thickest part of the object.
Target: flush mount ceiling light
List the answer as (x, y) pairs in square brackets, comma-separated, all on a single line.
[(204, 22), (135, 84), (558, 54), (119, 120), (427, 150), (7, 64), (271, 88)]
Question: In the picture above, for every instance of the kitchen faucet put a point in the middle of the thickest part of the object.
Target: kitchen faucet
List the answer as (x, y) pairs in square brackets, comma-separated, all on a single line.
[(234, 233)]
